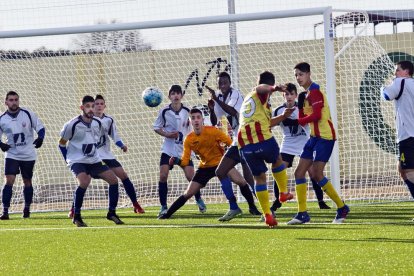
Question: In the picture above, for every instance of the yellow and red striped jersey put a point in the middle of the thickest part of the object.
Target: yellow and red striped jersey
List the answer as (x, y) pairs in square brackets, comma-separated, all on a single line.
[(207, 145), (255, 115), (316, 113)]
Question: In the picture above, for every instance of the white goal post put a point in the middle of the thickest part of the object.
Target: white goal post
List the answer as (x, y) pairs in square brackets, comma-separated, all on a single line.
[(120, 76)]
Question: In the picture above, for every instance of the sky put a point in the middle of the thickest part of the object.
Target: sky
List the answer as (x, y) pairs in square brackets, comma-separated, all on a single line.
[(34, 14)]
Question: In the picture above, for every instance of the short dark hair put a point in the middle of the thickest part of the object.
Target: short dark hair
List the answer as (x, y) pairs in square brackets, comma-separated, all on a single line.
[(303, 66), (99, 97), (291, 87), (225, 75), (87, 99), (406, 65), (11, 93), (196, 110), (267, 77), (175, 88)]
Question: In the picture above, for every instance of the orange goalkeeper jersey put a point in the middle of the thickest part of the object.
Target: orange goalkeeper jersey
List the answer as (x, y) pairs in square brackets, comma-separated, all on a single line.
[(207, 145)]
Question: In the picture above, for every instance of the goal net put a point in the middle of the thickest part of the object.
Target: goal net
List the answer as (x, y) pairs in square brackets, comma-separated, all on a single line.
[(121, 64)]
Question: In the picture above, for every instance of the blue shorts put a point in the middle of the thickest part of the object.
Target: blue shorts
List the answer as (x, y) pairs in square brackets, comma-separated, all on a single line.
[(94, 170), (318, 149), (14, 167), (234, 154), (257, 155), (112, 163), (165, 159)]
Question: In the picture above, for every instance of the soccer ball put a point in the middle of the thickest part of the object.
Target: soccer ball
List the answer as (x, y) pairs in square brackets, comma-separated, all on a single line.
[(152, 96)]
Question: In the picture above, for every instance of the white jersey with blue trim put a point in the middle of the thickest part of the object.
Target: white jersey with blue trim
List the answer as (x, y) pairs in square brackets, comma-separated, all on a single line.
[(294, 137), (83, 139), (110, 131), (19, 130), (235, 100), (171, 121), (401, 90)]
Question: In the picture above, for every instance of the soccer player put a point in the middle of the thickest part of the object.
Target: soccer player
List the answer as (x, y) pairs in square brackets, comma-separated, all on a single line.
[(294, 138), (173, 124), (257, 144), (79, 143), (314, 110), (205, 141), (401, 91), (227, 102), (18, 125)]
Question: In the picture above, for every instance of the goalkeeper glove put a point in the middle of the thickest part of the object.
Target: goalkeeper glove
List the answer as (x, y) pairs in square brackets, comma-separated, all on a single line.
[(174, 161), (4, 147), (301, 99), (290, 122), (38, 142)]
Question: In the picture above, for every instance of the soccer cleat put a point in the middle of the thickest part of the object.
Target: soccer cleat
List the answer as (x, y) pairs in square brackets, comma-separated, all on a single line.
[(262, 217), (283, 197), (323, 205), (231, 214), (114, 217), (71, 213), (163, 210), (341, 214), (163, 216), (26, 213), (138, 209), (270, 220), (254, 211), (300, 218), (5, 216), (201, 205), (276, 205), (77, 220)]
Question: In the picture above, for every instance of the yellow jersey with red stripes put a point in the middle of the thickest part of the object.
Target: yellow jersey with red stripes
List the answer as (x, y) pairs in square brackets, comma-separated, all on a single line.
[(255, 115), (208, 145), (316, 113)]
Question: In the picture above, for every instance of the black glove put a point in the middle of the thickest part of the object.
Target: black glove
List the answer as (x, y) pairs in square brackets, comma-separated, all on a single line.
[(301, 99), (290, 122), (4, 147), (38, 142)]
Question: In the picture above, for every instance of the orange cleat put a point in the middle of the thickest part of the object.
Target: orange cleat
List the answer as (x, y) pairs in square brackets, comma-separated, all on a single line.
[(270, 220), (283, 197), (138, 209)]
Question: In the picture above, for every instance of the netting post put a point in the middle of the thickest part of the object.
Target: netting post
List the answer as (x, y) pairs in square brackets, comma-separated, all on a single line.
[(331, 91)]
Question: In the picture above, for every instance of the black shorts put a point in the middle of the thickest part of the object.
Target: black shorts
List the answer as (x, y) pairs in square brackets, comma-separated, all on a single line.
[(112, 163), (288, 158), (234, 154), (406, 156), (203, 175), (14, 167), (94, 170), (165, 159)]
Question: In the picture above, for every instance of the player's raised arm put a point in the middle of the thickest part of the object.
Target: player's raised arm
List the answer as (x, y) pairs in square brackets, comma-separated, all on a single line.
[(274, 121)]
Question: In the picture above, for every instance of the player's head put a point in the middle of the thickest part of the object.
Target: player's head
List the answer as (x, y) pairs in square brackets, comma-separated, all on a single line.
[(12, 101), (175, 94), (266, 77), (88, 105), (99, 104), (303, 74), (224, 82), (196, 116), (404, 69), (290, 93)]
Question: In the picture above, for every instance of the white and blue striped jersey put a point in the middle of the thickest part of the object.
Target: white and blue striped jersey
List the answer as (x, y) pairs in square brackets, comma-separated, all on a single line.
[(294, 137), (235, 100), (83, 139), (110, 131), (19, 130), (171, 121)]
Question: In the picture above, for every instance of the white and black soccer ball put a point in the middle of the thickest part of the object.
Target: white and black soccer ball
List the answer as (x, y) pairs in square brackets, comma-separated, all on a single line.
[(152, 96)]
